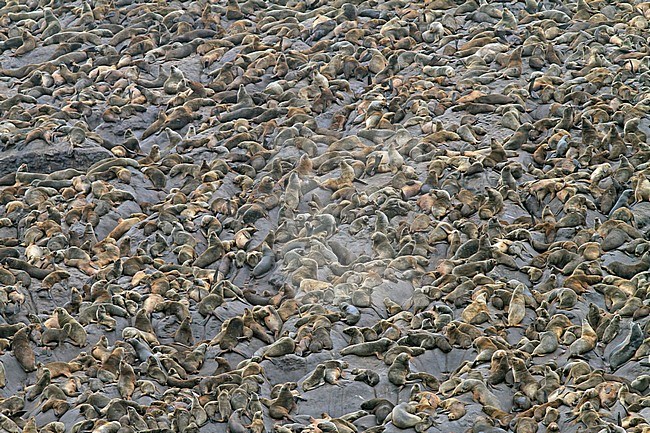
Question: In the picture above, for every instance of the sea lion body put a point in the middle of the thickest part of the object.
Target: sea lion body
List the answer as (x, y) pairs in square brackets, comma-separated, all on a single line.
[(626, 350)]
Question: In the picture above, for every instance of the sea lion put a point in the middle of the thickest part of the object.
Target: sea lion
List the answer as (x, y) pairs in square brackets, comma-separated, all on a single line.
[(548, 344), (402, 416), (399, 370), (367, 349), (232, 331), (283, 404), (315, 379), (76, 332), (480, 392), (42, 382), (626, 349), (53, 337), (266, 263), (22, 350), (126, 380), (455, 407), (586, 342), (369, 377), (281, 347), (527, 384), (183, 334)]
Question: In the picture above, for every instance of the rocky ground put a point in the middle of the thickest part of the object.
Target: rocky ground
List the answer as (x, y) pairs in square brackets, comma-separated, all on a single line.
[(313, 216)]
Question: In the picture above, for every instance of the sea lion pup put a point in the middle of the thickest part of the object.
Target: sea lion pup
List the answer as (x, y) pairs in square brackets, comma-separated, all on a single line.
[(626, 349), (369, 377)]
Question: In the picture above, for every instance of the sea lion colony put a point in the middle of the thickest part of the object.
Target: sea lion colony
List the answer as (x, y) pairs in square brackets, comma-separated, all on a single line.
[(324, 216)]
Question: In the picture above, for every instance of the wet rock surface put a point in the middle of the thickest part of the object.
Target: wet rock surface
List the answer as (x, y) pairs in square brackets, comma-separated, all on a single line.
[(324, 216)]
